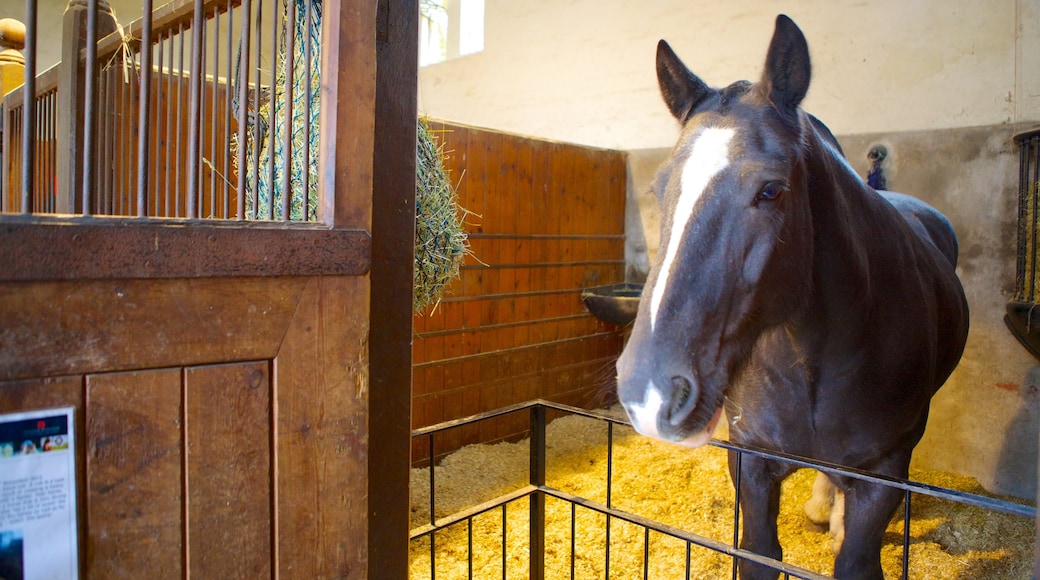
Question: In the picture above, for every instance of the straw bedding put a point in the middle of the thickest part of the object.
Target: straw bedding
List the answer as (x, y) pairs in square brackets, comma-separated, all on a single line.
[(689, 489)]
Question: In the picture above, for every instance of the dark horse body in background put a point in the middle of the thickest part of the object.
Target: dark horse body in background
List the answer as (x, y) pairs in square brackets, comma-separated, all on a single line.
[(821, 314)]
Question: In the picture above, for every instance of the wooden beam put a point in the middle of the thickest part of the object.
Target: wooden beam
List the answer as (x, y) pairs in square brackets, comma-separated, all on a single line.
[(393, 249)]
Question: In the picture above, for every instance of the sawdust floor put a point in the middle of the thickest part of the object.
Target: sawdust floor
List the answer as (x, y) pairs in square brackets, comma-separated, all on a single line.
[(688, 489)]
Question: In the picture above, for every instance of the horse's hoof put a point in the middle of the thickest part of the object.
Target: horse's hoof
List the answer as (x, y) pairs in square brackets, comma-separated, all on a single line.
[(814, 526)]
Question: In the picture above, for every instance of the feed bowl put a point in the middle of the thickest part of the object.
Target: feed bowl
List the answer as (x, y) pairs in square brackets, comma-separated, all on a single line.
[(614, 303)]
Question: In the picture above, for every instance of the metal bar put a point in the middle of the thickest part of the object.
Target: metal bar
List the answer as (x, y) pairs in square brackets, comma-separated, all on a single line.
[(606, 555), (162, 97), (195, 110), (646, 553), (574, 509), (1035, 189), (144, 109), (433, 555), (736, 510), (214, 119), (243, 106), (89, 115), (227, 116), (203, 32), (610, 463), (684, 535), (309, 64), (906, 534), (29, 103), (537, 531), (168, 192), (469, 547), (180, 123), (272, 125), (287, 129), (257, 137), (433, 484), (505, 523), (689, 548)]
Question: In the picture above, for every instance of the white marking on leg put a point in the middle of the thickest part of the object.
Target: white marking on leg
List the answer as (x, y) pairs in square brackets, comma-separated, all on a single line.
[(709, 156), (821, 504), (644, 416), (838, 521)]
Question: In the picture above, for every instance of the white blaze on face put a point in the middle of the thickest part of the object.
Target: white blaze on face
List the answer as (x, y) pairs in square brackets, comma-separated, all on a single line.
[(644, 416), (708, 157)]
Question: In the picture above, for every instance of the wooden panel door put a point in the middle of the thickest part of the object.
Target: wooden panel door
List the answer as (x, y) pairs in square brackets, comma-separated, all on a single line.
[(222, 422)]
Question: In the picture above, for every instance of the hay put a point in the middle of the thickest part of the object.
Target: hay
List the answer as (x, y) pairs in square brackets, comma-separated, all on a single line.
[(440, 241), (689, 489)]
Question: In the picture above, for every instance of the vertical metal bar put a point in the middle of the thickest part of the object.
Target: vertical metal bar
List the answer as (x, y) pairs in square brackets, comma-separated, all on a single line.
[(906, 534), (610, 463), (168, 192), (195, 110), (505, 552), (161, 98), (243, 106), (469, 547), (89, 116), (123, 142), (433, 486), (203, 32), (309, 63), (257, 137), (227, 116), (736, 507), (537, 498), (144, 109), (646, 553), (214, 119), (433, 555), (272, 125), (29, 101), (1034, 188), (287, 130), (104, 182), (179, 165), (574, 514), (688, 549), (606, 557)]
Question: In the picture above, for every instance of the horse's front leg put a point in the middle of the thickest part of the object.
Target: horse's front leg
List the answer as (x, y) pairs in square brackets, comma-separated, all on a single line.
[(759, 484), (868, 510)]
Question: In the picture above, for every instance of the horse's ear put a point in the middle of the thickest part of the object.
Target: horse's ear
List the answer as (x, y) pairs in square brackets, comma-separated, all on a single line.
[(681, 89), (787, 72)]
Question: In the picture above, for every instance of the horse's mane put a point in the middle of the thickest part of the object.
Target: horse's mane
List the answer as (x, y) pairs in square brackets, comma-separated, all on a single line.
[(825, 133)]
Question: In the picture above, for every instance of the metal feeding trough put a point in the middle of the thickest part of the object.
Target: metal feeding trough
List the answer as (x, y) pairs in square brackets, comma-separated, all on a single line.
[(614, 303)]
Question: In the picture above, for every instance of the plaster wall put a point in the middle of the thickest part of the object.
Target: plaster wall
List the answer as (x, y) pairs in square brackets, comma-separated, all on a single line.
[(583, 70)]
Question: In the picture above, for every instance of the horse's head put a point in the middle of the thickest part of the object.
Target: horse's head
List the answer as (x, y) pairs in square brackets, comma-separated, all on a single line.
[(735, 254)]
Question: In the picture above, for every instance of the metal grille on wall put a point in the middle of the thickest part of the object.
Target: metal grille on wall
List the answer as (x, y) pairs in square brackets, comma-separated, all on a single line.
[(1023, 316)]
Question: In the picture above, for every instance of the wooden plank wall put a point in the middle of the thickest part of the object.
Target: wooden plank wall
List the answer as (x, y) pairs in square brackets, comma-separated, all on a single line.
[(548, 220)]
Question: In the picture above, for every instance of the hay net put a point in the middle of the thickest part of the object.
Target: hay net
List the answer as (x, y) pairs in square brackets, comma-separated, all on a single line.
[(299, 109), (440, 241)]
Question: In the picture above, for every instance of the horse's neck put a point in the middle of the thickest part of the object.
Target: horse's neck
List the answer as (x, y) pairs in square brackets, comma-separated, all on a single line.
[(844, 216)]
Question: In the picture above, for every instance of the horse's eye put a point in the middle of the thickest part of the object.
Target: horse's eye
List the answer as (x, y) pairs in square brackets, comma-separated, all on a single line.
[(771, 192)]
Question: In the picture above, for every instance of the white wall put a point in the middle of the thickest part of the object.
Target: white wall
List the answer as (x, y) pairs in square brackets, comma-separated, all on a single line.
[(583, 70)]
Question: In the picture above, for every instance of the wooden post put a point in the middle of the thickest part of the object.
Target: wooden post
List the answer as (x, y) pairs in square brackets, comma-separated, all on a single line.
[(12, 63), (393, 251), (71, 98)]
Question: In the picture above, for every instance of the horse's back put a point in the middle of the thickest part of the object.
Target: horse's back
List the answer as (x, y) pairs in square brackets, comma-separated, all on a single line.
[(927, 222)]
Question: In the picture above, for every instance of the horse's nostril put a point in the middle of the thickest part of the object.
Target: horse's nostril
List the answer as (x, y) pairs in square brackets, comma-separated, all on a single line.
[(682, 398)]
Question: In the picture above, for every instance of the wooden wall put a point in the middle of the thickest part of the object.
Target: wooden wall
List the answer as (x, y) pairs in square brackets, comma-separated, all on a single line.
[(548, 220)]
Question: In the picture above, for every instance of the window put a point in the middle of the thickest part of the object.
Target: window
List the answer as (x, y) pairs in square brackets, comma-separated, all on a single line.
[(449, 29)]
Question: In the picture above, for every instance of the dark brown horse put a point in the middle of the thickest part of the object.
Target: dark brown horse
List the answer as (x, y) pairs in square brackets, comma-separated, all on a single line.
[(821, 314)]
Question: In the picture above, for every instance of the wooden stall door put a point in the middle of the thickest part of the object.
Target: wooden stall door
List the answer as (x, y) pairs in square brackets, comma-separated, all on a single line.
[(220, 422)]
